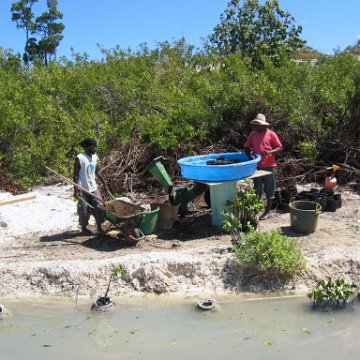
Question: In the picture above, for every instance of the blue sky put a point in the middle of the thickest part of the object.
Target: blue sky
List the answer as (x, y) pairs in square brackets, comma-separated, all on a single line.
[(327, 24)]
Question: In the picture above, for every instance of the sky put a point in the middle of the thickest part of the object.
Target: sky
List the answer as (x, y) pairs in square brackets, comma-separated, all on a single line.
[(328, 25)]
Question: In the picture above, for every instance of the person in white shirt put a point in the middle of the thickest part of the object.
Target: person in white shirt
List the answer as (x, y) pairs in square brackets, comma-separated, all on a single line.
[(86, 170)]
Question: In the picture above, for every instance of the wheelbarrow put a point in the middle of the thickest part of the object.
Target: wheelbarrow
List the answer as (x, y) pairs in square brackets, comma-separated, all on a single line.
[(120, 213), (124, 216)]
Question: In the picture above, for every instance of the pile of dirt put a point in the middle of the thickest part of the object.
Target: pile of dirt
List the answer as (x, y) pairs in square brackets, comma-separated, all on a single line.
[(122, 209)]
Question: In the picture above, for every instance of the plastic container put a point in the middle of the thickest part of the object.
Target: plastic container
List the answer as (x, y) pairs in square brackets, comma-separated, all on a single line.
[(334, 202), (149, 220), (196, 167), (330, 182), (304, 216), (168, 214), (337, 198)]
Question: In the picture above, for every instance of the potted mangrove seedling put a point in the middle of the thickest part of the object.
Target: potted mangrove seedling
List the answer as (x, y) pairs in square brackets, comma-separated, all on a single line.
[(104, 303), (332, 294)]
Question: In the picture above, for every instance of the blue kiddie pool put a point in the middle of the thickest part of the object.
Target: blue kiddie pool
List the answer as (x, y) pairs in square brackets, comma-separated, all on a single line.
[(221, 172), (200, 168)]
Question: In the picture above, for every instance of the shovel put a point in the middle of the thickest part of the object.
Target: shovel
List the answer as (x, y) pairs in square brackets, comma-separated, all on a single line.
[(76, 185)]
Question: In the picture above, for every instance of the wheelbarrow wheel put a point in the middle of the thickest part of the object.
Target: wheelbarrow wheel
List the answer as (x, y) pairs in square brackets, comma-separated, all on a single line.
[(132, 233), (137, 233)]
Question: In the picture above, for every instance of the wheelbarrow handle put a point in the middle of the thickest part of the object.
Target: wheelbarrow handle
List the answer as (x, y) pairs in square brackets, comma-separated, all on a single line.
[(86, 203), (111, 195), (76, 185)]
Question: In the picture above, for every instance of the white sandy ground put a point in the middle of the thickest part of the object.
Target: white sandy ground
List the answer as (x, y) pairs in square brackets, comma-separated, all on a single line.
[(41, 253), (51, 210)]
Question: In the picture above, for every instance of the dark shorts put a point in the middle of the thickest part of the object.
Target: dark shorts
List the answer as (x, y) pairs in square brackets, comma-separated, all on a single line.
[(84, 210), (266, 184)]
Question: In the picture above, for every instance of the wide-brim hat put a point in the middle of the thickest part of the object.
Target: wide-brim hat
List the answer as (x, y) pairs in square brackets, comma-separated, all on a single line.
[(260, 120)]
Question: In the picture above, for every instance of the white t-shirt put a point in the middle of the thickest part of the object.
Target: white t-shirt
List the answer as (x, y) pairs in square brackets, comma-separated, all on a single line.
[(87, 171)]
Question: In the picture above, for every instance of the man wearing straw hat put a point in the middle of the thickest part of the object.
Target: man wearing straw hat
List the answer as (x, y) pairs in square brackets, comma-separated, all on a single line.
[(266, 143)]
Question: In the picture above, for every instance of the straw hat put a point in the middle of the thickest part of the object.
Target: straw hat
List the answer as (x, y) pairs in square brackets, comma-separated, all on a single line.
[(260, 120)]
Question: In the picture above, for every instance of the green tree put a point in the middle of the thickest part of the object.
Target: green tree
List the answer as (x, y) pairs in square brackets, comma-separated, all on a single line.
[(23, 15), (50, 31), (43, 33), (354, 49), (256, 30)]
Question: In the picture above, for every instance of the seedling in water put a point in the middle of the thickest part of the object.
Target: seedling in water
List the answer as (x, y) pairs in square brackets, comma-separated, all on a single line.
[(332, 294)]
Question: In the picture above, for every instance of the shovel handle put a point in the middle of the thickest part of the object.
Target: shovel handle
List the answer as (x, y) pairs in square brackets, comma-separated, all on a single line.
[(76, 185)]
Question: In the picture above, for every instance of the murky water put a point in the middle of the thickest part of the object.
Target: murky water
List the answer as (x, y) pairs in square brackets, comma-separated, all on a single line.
[(248, 329)]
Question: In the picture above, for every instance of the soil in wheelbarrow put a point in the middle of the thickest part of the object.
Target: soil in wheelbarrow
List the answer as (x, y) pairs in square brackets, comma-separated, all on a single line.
[(122, 209)]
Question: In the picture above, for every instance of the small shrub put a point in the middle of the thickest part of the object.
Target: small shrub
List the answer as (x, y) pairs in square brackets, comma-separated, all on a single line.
[(243, 212), (332, 294), (269, 252)]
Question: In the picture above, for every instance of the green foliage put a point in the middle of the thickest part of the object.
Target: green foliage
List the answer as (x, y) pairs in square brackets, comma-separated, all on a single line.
[(172, 97), (255, 30), (354, 49), (43, 33), (269, 252), (332, 293), (308, 151), (118, 270), (243, 211), (335, 87)]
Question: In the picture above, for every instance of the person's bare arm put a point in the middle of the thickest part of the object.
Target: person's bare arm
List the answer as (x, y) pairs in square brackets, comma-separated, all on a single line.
[(76, 177), (273, 151)]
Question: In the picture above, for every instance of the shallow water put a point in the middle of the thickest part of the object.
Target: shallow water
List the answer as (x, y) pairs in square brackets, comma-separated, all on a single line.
[(283, 328)]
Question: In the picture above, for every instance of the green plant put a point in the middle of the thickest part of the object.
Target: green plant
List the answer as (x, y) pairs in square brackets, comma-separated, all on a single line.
[(335, 294), (243, 212), (269, 252), (118, 270), (308, 151), (355, 229), (254, 29), (170, 97), (43, 33)]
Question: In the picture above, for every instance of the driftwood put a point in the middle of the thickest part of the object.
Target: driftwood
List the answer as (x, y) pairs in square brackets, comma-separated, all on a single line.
[(17, 198)]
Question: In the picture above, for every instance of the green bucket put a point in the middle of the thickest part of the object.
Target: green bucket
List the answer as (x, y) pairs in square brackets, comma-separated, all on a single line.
[(304, 216), (149, 220)]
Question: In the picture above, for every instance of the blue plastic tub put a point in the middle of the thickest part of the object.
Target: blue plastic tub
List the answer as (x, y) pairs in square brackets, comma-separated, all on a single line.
[(195, 167)]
